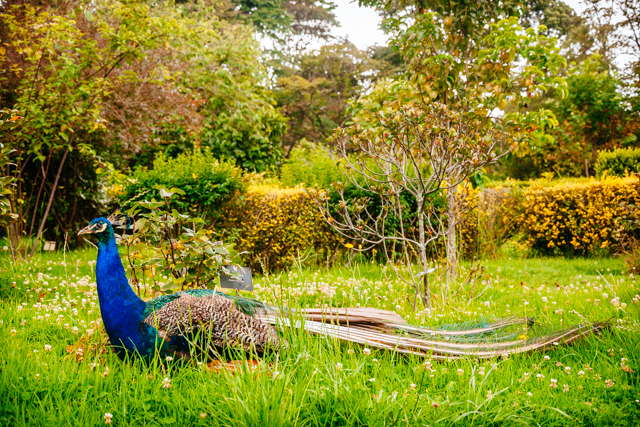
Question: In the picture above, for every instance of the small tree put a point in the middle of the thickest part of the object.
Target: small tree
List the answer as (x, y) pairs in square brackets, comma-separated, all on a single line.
[(439, 125)]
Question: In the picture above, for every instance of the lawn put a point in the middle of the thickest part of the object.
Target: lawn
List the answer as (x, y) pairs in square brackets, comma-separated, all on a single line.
[(49, 311)]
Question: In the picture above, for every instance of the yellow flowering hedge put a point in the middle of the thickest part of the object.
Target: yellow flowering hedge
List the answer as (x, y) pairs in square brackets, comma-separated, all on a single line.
[(276, 225), (577, 217)]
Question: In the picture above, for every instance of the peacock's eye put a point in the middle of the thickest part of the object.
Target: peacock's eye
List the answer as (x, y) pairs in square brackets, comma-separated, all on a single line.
[(99, 228)]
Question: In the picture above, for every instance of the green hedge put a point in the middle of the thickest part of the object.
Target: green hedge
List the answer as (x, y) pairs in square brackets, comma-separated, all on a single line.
[(618, 162), (208, 182), (312, 165)]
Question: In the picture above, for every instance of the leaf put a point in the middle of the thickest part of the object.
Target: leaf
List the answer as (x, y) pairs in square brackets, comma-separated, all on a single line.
[(165, 194)]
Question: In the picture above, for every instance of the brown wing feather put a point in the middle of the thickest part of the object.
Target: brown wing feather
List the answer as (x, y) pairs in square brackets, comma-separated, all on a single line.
[(224, 324)]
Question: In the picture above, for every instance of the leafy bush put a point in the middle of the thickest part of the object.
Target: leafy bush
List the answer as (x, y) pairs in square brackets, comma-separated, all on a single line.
[(276, 225), (577, 218), (207, 183), (310, 164), (619, 162), (491, 222), (168, 250)]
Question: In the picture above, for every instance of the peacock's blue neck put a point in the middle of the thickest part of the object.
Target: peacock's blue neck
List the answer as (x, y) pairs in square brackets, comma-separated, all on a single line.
[(122, 310)]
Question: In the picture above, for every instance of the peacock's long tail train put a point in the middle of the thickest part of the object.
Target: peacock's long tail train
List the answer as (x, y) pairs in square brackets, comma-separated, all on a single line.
[(388, 331)]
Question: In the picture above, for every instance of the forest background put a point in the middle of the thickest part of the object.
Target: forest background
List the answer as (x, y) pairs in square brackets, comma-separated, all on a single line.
[(102, 100)]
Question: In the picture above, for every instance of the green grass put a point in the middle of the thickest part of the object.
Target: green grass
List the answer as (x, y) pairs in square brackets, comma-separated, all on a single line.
[(305, 385)]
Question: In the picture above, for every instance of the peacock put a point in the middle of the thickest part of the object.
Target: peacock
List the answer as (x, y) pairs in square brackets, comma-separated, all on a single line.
[(211, 323)]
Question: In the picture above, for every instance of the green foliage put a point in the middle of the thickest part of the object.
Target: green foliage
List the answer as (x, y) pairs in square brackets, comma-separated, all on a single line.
[(64, 67), (553, 14), (8, 121), (206, 183), (278, 18), (313, 90), (621, 162), (110, 85), (596, 115), (312, 165), (168, 249), (240, 119)]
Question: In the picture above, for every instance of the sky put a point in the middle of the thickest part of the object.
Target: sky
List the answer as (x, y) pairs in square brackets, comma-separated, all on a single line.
[(361, 25)]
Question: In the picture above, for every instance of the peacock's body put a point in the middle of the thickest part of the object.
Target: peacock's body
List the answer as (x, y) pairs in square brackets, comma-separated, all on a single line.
[(172, 324), (214, 323)]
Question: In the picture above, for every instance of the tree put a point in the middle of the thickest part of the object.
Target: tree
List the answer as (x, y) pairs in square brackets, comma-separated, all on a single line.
[(63, 80), (597, 114), (124, 82), (224, 68), (313, 95), (461, 70)]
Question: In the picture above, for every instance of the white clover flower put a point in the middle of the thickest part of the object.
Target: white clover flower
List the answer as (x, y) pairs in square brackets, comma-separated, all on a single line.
[(107, 418), (339, 366), (366, 351), (47, 347), (166, 383)]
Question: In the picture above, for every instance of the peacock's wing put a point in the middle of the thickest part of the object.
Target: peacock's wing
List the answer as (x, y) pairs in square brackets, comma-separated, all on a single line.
[(211, 321)]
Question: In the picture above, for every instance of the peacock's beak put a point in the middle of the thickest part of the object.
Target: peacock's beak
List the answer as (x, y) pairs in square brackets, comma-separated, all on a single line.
[(87, 230)]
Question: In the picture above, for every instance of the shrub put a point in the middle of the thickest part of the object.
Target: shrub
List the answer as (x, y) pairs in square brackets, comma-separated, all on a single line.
[(619, 162), (310, 164), (491, 222), (276, 225), (167, 249), (577, 218), (208, 183)]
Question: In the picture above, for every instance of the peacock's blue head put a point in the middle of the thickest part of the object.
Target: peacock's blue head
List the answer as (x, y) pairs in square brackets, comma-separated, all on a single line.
[(101, 228)]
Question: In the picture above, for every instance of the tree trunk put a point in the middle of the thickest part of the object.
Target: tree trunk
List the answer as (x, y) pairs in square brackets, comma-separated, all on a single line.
[(426, 296), (13, 233), (48, 208), (45, 174), (452, 246)]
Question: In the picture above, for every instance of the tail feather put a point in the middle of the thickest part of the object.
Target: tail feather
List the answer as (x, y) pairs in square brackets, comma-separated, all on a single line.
[(425, 342)]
